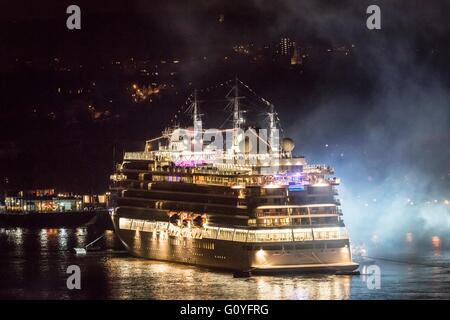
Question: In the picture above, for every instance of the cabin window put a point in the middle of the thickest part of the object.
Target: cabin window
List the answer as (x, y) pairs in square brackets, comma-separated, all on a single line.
[(240, 235), (302, 235), (251, 237), (125, 223), (225, 234)]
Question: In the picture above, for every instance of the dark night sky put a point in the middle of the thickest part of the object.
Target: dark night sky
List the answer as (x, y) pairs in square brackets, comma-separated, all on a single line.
[(38, 28), (383, 112)]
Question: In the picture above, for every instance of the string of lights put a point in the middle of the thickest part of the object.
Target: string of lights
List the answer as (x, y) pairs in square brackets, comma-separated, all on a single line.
[(265, 101), (254, 93)]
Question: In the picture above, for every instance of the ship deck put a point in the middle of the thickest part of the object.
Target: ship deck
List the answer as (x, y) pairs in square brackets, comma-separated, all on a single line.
[(307, 268)]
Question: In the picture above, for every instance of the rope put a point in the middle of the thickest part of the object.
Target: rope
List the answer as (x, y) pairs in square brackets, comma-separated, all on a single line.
[(189, 100), (265, 101), (254, 93), (408, 262)]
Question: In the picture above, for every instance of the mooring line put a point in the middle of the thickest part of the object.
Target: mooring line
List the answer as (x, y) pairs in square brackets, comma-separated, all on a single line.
[(409, 262)]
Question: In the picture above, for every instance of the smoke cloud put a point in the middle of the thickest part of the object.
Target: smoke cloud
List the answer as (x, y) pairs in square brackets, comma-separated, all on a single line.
[(389, 145), (381, 120)]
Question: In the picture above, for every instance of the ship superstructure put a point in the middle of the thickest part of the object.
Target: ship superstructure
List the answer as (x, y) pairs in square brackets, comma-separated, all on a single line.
[(231, 198)]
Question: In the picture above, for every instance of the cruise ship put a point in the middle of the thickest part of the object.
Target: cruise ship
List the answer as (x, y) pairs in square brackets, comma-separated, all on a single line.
[(234, 199)]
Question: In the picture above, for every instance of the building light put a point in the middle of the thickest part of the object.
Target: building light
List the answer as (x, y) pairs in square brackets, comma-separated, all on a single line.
[(260, 253), (272, 186), (320, 184), (436, 241), (409, 237)]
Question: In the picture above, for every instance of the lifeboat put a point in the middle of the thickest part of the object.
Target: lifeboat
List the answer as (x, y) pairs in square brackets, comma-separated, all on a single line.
[(198, 221), (174, 219)]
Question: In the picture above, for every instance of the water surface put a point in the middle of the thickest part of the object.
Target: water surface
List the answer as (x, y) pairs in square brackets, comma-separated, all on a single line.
[(34, 263)]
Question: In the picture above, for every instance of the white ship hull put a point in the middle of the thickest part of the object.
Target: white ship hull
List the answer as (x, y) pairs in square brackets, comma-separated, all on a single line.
[(236, 256), (240, 201)]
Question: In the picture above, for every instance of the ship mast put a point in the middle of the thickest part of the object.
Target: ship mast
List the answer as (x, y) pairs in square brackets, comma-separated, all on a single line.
[(238, 119), (237, 114), (273, 133), (196, 116), (271, 115)]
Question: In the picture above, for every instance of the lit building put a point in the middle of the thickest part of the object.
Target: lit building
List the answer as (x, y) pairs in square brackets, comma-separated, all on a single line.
[(296, 58), (286, 46), (47, 200)]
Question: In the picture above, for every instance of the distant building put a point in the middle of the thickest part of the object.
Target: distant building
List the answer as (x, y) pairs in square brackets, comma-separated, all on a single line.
[(286, 46), (47, 200), (296, 58)]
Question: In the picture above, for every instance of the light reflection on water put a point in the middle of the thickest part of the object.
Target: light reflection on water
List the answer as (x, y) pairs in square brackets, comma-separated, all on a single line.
[(172, 281), (34, 265)]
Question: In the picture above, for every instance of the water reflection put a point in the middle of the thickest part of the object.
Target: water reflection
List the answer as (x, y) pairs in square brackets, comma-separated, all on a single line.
[(34, 264), (62, 238), (134, 278)]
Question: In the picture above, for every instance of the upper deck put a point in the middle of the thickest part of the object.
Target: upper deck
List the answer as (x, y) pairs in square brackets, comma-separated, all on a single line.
[(223, 171), (228, 177)]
